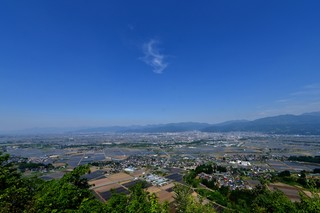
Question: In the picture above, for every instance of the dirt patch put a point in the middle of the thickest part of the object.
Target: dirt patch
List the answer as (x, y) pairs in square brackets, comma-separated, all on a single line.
[(290, 191), (165, 196), (120, 177)]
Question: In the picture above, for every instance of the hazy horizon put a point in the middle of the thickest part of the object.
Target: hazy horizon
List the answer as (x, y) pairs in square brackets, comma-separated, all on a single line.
[(47, 129), (89, 64)]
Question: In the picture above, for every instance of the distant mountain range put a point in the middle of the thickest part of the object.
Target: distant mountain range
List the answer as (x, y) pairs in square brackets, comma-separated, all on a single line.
[(304, 124), (157, 128)]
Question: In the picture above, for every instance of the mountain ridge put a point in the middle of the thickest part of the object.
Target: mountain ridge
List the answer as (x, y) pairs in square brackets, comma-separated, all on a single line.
[(304, 124)]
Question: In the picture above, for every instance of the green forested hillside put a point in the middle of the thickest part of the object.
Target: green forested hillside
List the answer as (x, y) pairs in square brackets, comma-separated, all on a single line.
[(71, 194)]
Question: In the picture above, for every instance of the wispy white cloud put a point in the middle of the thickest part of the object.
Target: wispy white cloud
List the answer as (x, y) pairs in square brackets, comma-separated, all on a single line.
[(153, 57), (308, 90), (285, 100), (312, 86), (304, 99)]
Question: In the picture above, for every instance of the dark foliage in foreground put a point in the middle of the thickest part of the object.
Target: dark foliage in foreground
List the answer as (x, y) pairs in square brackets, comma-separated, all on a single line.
[(69, 194), (259, 199)]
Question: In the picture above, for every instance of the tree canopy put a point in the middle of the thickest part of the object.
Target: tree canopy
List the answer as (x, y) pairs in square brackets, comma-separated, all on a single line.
[(71, 194)]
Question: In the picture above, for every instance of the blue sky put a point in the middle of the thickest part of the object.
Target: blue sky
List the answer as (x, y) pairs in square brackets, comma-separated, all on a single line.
[(101, 63)]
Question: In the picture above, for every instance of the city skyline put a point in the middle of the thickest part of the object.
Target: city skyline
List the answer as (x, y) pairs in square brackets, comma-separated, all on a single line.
[(82, 64)]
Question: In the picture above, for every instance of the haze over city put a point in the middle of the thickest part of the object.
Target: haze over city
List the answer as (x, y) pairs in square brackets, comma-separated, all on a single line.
[(102, 63)]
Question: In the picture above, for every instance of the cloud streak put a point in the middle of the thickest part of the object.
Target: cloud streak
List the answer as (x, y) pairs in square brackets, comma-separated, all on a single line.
[(153, 57), (308, 90), (305, 99)]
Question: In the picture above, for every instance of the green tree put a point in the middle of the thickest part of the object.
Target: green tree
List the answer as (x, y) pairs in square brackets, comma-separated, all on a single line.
[(303, 179), (269, 201), (197, 207), (16, 192), (117, 203), (307, 204), (137, 201), (181, 197), (190, 178), (92, 205), (186, 203), (68, 193), (285, 173)]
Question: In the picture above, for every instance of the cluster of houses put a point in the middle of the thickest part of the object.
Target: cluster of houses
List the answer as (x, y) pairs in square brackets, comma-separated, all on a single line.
[(225, 179), (156, 180)]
